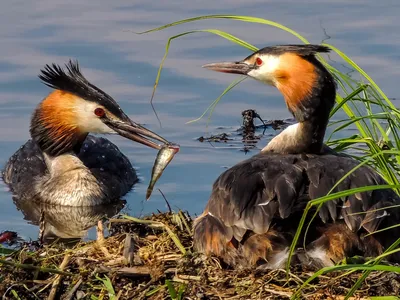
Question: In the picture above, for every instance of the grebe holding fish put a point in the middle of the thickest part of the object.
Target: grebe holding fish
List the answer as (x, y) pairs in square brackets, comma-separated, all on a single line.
[(62, 164)]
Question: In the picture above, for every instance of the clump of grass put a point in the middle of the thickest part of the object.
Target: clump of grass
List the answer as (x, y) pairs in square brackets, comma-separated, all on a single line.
[(138, 256), (154, 267), (367, 107)]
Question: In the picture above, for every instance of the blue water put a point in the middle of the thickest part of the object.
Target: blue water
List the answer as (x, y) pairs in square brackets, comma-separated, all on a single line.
[(125, 65)]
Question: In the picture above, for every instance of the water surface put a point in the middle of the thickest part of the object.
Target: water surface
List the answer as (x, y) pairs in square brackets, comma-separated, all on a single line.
[(124, 65)]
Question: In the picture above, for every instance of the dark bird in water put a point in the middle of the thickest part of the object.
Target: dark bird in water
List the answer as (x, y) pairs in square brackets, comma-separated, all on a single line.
[(64, 165), (255, 206)]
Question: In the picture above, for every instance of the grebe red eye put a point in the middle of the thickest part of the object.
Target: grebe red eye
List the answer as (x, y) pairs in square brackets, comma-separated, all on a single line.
[(259, 61), (99, 112)]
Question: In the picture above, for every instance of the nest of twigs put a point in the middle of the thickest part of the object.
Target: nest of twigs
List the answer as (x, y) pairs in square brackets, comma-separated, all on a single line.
[(153, 259)]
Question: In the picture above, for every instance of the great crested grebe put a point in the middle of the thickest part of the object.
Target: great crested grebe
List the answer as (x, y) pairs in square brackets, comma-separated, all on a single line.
[(255, 206), (62, 164)]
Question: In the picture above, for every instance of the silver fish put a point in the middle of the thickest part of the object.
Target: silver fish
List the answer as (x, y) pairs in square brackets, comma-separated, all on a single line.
[(164, 156)]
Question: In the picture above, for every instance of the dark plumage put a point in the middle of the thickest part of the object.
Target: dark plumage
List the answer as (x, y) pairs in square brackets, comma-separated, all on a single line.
[(255, 206), (270, 191), (303, 50), (110, 167)]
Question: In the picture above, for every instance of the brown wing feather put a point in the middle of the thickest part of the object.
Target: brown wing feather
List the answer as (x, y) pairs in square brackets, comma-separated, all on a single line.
[(270, 187)]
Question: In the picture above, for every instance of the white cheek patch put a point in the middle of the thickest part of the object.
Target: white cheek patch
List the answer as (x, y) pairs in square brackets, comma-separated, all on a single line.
[(266, 72), (86, 119)]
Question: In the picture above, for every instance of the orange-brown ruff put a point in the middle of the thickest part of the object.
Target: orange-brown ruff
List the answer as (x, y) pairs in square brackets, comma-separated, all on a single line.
[(62, 164), (295, 78), (255, 206), (58, 116)]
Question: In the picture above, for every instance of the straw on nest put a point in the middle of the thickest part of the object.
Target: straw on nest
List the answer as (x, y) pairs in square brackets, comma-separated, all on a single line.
[(152, 259)]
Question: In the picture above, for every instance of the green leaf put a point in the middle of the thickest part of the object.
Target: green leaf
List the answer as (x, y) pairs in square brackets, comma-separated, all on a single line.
[(171, 289), (5, 251)]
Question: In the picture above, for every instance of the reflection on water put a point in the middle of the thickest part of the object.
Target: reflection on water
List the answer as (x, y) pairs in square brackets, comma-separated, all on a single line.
[(65, 223)]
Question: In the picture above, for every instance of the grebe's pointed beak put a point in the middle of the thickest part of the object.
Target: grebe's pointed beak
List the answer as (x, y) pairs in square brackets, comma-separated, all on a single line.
[(239, 67), (136, 132)]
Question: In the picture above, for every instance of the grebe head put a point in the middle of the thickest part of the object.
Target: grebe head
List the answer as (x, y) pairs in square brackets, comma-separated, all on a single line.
[(63, 119), (307, 86), (293, 70)]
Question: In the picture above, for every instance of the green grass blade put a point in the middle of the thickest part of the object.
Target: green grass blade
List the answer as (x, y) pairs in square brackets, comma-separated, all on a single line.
[(156, 290), (345, 267), (362, 72), (348, 97), (383, 229), (248, 19), (212, 106), (168, 44), (353, 191), (358, 283), (171, 289), (374, 210), (5, 251), (15, 294), (108, 285)]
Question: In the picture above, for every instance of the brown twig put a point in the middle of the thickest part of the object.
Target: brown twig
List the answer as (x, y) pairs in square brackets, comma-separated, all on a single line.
[(186, 278), (57, 279), (72, 292), (280, 293), (129, 248), (100, 238)]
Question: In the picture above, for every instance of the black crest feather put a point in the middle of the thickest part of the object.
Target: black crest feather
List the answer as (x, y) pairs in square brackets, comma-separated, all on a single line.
[(72, 80), (303, 50)]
